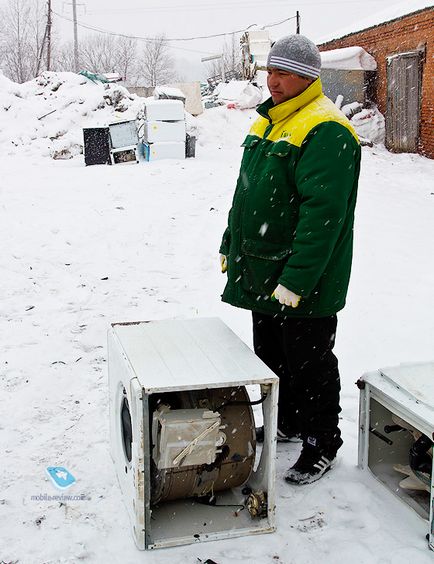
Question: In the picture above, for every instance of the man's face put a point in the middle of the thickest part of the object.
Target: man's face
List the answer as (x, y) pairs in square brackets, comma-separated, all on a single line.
[(284, 85)]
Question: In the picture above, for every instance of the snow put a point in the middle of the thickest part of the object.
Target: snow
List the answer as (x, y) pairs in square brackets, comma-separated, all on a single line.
[(45, 116), (242, 93), (376, 18), (86, 246), (348, 58), (370, 124), (168, 92)]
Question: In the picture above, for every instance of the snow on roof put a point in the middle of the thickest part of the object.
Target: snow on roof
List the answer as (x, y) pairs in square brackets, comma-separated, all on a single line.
[(348, 58), (377, 18), (112, 76), (168, 92)]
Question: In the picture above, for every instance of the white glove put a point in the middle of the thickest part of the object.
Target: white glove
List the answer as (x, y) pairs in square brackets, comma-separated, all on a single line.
[(285, 296), (223, 263)]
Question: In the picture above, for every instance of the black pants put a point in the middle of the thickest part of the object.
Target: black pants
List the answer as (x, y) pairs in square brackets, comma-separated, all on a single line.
[(299, 351)]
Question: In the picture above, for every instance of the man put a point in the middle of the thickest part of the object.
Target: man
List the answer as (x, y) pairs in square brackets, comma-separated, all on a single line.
[(287, 249)]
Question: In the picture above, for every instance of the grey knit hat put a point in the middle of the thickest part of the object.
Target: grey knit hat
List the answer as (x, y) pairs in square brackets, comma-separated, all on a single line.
[(297, 54)]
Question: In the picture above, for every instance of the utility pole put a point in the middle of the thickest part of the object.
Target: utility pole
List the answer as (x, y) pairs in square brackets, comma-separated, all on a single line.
[(73, 3), (74, 17), (46, 38), (297, 15), (41, 52), (49, 23)]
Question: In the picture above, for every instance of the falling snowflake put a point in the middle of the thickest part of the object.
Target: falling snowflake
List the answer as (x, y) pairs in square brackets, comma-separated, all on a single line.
[(263, 229)]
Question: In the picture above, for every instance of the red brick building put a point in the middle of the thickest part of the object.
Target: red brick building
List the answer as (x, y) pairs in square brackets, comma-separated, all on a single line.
[(404, 87)]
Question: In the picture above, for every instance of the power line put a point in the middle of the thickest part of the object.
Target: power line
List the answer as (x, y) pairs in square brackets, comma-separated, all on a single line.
[(223, 5), (150, 39), (197, 8), (115, 34), (230, 32)]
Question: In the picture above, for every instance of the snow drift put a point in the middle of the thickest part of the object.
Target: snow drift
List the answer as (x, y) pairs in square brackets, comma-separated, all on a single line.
[(45, 116)]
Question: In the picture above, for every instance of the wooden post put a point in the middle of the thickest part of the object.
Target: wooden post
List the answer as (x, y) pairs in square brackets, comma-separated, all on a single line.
[(49, 23)]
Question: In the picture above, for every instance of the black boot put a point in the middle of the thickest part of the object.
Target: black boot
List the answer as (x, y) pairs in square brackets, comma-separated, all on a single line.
[(281, 436)]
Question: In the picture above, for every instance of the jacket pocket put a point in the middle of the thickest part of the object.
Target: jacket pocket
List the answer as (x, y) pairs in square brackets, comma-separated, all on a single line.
[(279, 149), (262, 264), (250, 142)]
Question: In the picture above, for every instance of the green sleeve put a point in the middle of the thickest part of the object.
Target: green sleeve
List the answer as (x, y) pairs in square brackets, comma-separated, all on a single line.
[(224, 246), (325, 177)]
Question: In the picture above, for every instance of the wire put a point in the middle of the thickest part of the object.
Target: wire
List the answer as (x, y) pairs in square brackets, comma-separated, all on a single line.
[(230, 32), (257, 402), (212, 501), (198, 7), (222, 5), (150, 39), (113, 33)]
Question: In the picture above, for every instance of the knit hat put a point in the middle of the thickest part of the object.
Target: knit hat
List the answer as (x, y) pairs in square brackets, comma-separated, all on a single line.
[(297, 54)]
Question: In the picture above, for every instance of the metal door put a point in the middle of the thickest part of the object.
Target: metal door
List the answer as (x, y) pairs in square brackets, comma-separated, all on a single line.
[(403, 102)]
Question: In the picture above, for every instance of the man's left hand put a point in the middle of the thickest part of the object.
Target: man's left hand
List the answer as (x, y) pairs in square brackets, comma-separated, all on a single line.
[(285, 296), (223, 263)]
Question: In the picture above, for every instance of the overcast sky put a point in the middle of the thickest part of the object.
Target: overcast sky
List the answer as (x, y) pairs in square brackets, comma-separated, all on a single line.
[(192, 18)]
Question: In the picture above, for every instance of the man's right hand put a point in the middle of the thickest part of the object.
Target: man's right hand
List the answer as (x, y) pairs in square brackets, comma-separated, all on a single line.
[(223, 263), (285, 296)]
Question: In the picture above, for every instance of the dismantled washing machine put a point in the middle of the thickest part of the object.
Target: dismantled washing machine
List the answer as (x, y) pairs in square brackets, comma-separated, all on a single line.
[(183, 431), (396, 434)]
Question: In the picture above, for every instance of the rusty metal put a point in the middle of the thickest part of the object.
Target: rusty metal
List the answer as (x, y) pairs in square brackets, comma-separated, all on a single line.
[(256, 504), (231, 468)]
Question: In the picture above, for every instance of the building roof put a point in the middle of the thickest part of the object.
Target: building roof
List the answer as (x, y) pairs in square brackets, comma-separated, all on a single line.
[(348, 58), (374, 19)]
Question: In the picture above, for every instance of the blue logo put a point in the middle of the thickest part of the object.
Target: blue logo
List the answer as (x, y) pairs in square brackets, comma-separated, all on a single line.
[(60, 477)]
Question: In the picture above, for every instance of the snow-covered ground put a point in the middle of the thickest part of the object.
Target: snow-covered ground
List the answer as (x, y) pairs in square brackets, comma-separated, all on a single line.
[(86, 246)]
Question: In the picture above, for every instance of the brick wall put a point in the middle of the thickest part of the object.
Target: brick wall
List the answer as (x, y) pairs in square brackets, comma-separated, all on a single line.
[(398, 36)]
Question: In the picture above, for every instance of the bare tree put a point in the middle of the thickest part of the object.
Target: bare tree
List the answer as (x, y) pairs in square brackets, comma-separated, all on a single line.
[(126, 57), (21, 49), (156, 65), (101, 53), (63, 57), (232, 55), (98, 53), (21, 35), (231, 59)]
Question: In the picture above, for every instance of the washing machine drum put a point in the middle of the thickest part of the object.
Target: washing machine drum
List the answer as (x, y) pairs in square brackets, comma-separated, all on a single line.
[(203, 441)]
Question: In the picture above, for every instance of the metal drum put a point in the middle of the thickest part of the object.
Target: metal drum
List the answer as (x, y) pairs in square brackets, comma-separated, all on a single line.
[(234, 455)]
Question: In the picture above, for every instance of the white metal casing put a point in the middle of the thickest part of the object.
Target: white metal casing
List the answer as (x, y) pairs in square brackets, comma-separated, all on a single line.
[(406, 391), (131, 151), (174, 355), (157, 131), (164, 110), (164, 150)]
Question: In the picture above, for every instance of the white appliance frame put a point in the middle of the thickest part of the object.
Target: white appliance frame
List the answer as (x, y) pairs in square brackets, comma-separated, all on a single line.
[(380, 386), (137, 367)]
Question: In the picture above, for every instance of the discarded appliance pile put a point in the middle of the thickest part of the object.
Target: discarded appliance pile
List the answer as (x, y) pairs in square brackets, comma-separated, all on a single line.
[(45, 116), (158, 132), (239, 94)]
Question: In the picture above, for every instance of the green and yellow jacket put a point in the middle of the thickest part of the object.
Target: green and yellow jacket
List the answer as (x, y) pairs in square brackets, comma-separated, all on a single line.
[(291, 220)]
